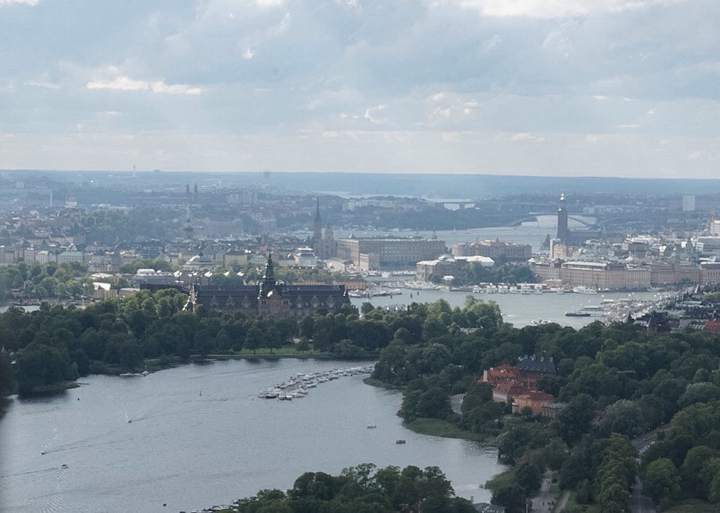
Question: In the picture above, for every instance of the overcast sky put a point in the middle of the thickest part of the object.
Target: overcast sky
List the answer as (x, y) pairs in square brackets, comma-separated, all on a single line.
[(541, 87)]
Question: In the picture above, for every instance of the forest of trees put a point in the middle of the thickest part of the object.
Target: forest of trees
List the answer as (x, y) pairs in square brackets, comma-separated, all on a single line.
[(616, 382), (43, 281), (362, 489)]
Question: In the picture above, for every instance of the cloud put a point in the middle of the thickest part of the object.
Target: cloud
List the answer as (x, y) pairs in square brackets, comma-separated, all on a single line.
[(123, 83), (44, 84), (450, 76), (557, 8), (31, 3), (372, 114), (526, 137)]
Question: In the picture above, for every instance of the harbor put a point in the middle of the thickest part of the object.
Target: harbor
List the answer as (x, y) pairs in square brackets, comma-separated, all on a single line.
[(300, 384)]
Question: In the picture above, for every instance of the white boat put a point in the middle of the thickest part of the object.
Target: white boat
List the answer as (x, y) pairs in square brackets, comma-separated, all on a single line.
[(584, 290)]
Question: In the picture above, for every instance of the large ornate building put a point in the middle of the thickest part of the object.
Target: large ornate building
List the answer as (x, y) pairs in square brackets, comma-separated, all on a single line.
[(269, 298)]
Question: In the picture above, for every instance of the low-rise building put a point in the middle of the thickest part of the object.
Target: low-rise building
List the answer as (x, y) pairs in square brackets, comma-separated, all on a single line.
[(494, 249), (427, 270), (390, 252)]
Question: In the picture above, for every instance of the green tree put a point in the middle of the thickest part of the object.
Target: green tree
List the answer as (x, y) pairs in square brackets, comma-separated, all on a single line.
[(661, 481)]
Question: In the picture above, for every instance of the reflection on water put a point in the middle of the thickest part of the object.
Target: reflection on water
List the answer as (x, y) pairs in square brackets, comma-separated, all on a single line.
[(198, 435)]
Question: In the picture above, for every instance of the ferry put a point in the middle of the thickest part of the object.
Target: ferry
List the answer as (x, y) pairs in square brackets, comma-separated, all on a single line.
[(578, 314)]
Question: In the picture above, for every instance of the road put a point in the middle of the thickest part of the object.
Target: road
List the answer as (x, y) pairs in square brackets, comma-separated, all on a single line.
[(641, 503), (544, 501)]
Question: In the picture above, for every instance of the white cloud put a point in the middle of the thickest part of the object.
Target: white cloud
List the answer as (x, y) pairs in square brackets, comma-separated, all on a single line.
[(123, 83), (555, 8), (31, 3), (372, 114)]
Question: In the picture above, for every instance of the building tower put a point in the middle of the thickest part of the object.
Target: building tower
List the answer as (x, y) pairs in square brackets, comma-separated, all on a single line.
[(268, 282), (317, 227), (562, 221), (188, 228)]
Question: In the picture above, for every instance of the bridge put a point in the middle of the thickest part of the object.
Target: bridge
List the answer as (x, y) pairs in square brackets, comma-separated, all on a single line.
[(533, 217)]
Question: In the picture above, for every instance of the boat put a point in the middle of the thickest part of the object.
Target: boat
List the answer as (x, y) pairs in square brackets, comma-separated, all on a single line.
[(584, 290), (577, 314), (372, 426), (400, 442)]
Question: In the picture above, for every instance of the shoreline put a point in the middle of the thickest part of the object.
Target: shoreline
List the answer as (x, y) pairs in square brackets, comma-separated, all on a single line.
[(436, 427)]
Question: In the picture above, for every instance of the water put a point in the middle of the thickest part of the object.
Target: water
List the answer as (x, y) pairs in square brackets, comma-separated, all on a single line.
[(517, 309), (530, 232), (199, 436)]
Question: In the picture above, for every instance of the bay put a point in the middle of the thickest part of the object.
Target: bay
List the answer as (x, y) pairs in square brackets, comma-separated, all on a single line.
[(198, 436)]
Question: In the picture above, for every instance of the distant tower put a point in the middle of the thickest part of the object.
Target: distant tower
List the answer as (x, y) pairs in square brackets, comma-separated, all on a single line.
[(562, 221), (188, 228), (317, 226)]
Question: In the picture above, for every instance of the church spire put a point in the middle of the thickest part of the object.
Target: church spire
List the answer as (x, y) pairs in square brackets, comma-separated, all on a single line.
[(317, 224), (268, 281)]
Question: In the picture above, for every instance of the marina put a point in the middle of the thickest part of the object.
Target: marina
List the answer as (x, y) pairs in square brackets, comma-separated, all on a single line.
[(300, 384)]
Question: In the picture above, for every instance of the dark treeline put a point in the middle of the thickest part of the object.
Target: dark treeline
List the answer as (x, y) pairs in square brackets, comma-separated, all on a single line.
[(55, 345), (614, 383), (500, 273), (361, 489)]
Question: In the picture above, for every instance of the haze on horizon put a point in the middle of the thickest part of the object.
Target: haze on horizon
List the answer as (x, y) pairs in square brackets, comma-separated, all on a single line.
[(523, 87)]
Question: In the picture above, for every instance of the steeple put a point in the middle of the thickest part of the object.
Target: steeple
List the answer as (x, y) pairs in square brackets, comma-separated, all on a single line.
[(268, 282), (317, 225)]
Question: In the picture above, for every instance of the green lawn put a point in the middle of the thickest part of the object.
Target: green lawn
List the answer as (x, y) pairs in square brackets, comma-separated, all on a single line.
[(438, 427)]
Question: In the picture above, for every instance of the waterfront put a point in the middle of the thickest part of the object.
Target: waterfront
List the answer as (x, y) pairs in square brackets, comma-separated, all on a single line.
[(517, 309), (200, 436), (528, 232)]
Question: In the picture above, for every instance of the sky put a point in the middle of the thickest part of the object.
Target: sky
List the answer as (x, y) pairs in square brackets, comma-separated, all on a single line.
[(531, 87)]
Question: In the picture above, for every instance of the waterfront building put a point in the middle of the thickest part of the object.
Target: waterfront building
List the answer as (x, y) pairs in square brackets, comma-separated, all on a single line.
[(494, 249), (388, 253), (427, 270), (612, 275), (269, 298)]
